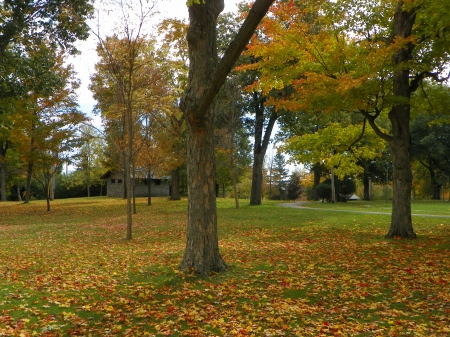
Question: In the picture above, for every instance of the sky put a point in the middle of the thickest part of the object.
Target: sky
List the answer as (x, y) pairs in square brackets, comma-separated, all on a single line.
[(84, 64)]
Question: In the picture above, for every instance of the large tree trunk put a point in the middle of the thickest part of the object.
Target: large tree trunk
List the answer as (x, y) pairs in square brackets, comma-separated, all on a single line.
[(175, 187), (257, 177), (401, 223), (366, 184), (317, 173), (436, 186), (206, 76), (202, 254), (262, 138)]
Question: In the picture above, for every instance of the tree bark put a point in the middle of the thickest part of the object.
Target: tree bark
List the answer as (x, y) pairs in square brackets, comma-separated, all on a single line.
[(47, 193), (202, 254), (400, 142), (366, 183), (317, 173), (206, 76)]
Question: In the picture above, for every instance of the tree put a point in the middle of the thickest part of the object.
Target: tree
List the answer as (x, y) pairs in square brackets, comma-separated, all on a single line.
[(232, 144), (175, 51), (129, 88), (401, 43), (279, 173), (30, 22), (89, 158), (206, 76), (295, 186)]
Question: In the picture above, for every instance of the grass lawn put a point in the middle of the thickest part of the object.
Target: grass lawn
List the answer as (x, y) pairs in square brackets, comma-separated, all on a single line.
[(292, 272), (432, 207)]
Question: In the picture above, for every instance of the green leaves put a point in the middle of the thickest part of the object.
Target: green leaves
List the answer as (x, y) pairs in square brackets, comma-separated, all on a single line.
[(195, 2)]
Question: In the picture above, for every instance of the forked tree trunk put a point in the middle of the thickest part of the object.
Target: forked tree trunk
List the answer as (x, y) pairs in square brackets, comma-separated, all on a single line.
[(206, 76), (47, 193), (400, 142), (262, 139), (202, 254)]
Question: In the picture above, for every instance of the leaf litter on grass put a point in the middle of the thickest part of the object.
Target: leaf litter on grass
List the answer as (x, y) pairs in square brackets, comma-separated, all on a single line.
[(304, 277)]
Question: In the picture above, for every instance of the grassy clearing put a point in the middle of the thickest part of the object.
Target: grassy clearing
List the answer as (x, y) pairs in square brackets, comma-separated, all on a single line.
[(292, 272)]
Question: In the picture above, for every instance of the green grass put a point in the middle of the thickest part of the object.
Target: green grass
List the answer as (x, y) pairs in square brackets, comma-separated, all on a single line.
[(432, 207), (292, 271)]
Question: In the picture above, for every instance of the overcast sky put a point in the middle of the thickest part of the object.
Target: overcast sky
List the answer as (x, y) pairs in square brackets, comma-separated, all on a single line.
[(85, 62)]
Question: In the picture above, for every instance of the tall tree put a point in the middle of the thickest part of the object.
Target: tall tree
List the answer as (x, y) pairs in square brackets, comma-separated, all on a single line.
[(280, 172), (206, 76), (175, 51), (401, 43), (128, 87)]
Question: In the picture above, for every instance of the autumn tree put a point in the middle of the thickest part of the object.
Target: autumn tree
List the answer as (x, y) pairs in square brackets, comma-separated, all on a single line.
[(206, 76), (88, 160), (29, 22), (128, 87), (175, 69), (401, 43), (232, 143), (430, 129)]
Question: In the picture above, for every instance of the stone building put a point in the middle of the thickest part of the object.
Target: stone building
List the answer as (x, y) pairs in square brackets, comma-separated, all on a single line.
[(115, 184)]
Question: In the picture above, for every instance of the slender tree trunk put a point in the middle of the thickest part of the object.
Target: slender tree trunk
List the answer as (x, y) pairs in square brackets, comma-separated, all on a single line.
[(175, 190), (3, 149), (133, 182), (128, 173), (47, 193), (399, 115), (28, 183), (236, 196), (18, 193)]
